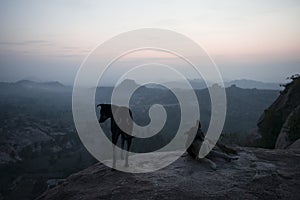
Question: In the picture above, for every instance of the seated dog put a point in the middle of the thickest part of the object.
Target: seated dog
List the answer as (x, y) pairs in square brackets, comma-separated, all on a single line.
[(194, 148)]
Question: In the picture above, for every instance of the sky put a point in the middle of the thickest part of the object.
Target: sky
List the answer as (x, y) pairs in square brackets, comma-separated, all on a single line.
[(247, 39)]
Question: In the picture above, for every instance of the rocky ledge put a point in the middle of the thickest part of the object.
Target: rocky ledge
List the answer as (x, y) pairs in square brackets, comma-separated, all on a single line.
[(257, 174)]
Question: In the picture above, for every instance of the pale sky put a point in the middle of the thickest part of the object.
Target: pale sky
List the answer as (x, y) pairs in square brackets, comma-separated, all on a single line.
[(252, 39)]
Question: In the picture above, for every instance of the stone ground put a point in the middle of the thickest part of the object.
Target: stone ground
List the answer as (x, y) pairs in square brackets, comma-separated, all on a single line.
[(257, 174)]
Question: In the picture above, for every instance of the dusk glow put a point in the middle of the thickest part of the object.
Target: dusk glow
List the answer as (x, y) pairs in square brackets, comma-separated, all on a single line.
[(245, 38)]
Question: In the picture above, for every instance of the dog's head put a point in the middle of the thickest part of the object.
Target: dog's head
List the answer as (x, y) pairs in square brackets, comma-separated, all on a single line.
[(195, 128), (105, 112)]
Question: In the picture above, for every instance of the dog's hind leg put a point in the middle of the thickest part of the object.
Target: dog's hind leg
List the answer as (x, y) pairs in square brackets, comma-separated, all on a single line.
[(122, 147), (114, 143), (127, 152)]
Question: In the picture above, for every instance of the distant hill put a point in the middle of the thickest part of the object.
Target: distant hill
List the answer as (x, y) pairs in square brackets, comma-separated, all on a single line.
[(241, 83), (244, 83), (244, 105), (38, 133), (30, 83)]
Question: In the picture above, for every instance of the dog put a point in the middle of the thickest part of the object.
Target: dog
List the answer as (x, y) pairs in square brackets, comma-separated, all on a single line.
[(120, 112), (194, 148)]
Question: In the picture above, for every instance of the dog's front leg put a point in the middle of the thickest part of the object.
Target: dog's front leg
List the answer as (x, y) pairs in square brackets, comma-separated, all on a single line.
[(222, 155), (114, 143), (114, 156), (122, 147), (127, 152)]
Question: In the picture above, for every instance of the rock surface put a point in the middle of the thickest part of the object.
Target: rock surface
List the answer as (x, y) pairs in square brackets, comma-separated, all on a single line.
[(283, 141), (257, 174), (274, 124), (295, 145)]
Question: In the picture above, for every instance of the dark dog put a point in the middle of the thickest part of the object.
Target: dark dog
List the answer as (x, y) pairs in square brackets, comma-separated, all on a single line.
[(109, 111), (194, 148)]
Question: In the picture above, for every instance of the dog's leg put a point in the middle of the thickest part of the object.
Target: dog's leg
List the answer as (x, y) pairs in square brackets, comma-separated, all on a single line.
[(222, 155), (211, 163), (226, 149), (114, 143), (127, 152), (122, 147), (114, 156)]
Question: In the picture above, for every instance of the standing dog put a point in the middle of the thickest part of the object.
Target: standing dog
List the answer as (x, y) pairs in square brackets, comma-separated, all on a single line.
[(119, 119)]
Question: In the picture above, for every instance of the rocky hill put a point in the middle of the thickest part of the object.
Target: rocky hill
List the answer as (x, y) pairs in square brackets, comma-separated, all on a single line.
[(279, 126), (257, 174)]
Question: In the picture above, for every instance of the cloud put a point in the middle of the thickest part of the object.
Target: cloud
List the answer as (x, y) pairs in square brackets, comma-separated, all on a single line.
[(27, 42)]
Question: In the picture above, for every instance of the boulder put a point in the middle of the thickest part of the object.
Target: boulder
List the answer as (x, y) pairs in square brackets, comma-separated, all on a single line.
[(295, 145), (284, 139), (257, 174), (273, 124)]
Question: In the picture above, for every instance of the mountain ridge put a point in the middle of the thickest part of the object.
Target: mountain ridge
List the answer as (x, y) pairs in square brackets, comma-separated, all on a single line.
[(195, 83)]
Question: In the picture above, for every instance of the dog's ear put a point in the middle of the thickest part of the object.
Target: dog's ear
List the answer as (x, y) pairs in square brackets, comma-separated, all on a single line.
[(100, 105), (105, 107), (198, 124)]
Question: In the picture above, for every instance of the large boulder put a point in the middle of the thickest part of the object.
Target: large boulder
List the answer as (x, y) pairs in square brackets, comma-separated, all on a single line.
[(290, 130), (295, 145), (257, 174), (274, 123)]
